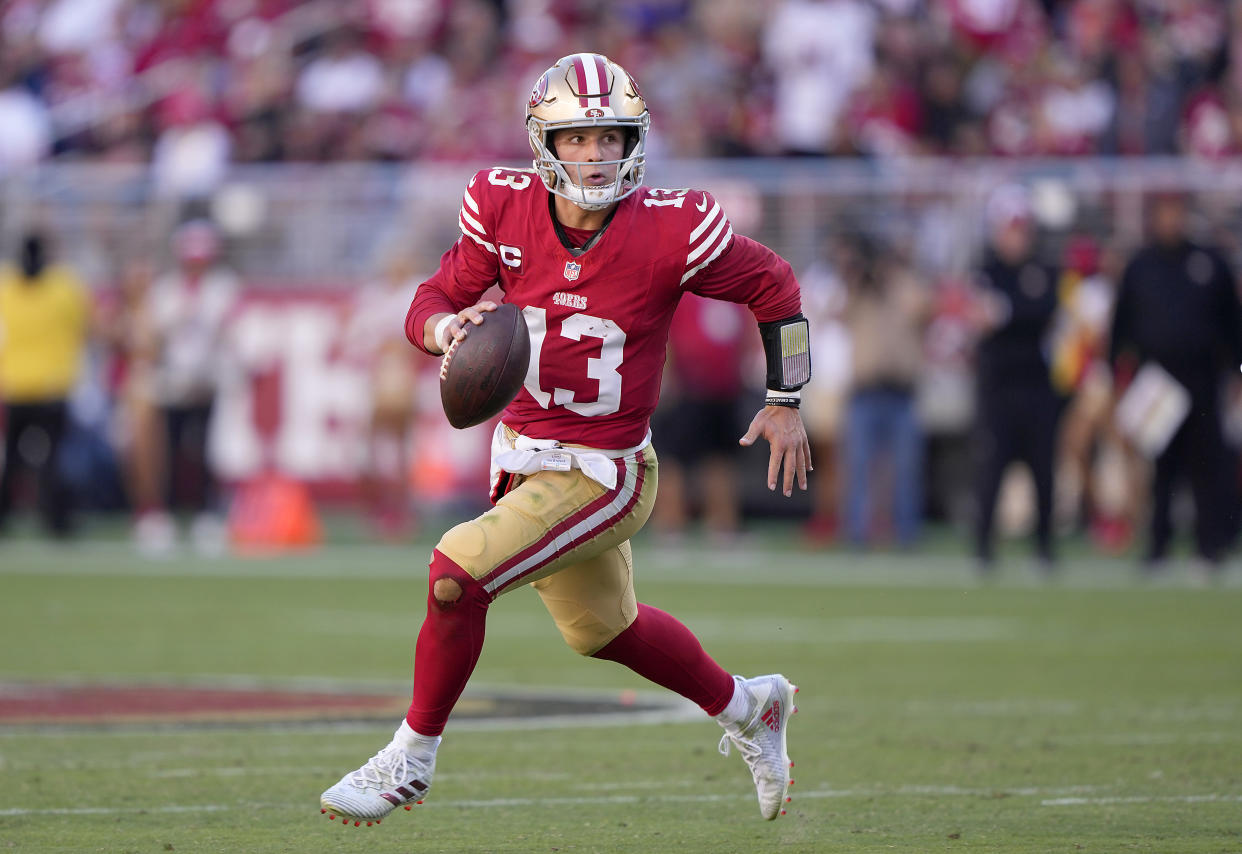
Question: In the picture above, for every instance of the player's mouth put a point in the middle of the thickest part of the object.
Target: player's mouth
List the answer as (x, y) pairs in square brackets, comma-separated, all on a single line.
[(596, 179)]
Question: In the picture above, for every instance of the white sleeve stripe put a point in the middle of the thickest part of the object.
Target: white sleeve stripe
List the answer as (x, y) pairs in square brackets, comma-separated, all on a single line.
[(708, 242), (473, 223), (489, 247), (702, 226), (470, 202), (720, 247)]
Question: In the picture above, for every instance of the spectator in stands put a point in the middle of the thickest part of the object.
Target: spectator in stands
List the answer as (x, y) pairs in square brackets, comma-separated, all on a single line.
[(193, 150), (1177, 306), (820, 52), (1010, 77), (887, 313), (698, 426), (44, 312), (27, 136), (189, 307), (1017, 408)]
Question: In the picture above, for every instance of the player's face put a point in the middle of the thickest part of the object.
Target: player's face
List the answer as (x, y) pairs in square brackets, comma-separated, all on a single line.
[(591, 147)]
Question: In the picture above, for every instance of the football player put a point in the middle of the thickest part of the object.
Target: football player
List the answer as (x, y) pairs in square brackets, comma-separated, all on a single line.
[(596, 262)]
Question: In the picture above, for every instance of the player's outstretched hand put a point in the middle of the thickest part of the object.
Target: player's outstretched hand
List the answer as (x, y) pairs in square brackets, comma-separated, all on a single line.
[(782, 427), (455, 325)]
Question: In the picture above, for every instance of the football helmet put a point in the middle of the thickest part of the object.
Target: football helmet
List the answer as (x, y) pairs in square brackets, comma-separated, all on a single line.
[(587, 90)]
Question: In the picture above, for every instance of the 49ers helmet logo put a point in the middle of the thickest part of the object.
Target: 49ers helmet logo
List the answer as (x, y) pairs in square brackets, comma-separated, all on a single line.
[(540, 91), (594, 113)]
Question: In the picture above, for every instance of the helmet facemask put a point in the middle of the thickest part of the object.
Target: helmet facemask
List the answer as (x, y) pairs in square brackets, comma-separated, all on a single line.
[(587, 90), (564, 178)]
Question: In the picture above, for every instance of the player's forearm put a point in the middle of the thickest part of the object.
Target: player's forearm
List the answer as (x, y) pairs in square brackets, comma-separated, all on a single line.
[(428, 307), (430, 327)]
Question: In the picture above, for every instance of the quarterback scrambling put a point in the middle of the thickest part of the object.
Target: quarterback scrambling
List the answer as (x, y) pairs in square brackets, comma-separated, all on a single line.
[(596, 262)]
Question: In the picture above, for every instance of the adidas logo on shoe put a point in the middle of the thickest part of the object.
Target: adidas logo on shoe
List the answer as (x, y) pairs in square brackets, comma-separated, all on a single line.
[(771, 716)]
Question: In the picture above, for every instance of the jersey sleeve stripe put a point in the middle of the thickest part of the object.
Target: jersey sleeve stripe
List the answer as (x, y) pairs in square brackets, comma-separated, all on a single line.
[(479, 240), (473, 223), (469, 202), (702, 226), (708, 241), (720, 247)]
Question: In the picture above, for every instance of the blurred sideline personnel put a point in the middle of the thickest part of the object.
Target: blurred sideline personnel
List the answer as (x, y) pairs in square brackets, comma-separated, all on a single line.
[(44, 320), (697, 420), (1017, 408), (1177, 306), (126, 327), (597, 262), (189, 306), (886, 313), (374, 341)]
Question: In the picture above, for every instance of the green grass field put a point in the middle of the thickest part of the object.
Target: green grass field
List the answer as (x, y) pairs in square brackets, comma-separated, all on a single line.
[(1094, 713)]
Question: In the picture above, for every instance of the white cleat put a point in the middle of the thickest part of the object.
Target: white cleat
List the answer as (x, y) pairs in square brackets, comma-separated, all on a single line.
[(391, 778), (761, 740)]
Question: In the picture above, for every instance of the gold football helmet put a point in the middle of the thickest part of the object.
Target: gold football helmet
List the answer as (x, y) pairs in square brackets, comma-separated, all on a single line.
[(587, 90)]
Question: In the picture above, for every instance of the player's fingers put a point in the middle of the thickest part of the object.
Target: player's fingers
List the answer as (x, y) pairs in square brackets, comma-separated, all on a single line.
[(476, 311), (790, 459), (774, 466), (751, 435)]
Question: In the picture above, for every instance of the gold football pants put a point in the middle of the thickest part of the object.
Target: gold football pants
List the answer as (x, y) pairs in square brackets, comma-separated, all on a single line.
[(568, 537)]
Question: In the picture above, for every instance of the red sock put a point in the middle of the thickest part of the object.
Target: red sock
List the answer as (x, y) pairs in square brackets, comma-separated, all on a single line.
[(448, 647), (658, 647)]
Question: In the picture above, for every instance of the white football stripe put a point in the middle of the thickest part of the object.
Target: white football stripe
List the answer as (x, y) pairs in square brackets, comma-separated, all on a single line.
[(474, 224), (470, 202), (567, 538), (702, 226), (707, 243), (720, 247), (466, 231)]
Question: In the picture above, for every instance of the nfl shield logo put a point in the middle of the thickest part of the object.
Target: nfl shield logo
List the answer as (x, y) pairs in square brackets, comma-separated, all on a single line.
[(572, 269)]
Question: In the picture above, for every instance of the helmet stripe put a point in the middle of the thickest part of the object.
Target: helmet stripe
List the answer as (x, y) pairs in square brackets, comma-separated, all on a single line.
[(602, 72), (592, 74), (580, 70)]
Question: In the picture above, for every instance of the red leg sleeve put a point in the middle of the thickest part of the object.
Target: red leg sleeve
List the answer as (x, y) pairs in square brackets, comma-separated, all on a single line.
[(657, 646), (448, 647)]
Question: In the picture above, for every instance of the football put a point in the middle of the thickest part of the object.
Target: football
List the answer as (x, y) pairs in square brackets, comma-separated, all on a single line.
[(480, 375)]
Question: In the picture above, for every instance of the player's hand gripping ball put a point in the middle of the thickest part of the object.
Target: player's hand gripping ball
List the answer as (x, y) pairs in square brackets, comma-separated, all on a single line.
[(481, 374)]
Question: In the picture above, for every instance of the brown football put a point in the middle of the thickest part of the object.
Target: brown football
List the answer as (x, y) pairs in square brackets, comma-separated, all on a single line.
[(480, 375)]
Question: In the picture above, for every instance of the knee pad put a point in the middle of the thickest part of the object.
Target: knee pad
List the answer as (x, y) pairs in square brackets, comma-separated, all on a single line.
[(443, 568)]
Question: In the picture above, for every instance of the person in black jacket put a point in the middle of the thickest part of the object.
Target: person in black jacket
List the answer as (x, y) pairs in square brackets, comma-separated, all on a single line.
[(1177, 306), (1016, 407)]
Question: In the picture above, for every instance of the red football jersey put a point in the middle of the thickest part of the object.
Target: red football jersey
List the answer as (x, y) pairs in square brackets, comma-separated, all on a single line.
[(599, 321)]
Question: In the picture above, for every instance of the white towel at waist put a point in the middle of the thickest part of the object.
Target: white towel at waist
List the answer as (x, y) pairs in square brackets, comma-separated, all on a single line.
[(524, 455)]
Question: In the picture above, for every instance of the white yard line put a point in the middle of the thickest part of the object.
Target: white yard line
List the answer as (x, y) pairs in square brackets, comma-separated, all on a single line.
[(743, 566), (766, 629), (1141, 799), (1070, 796)]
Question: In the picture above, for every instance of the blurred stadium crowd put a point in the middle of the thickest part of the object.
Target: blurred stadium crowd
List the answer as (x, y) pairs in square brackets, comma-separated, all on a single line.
[(278, 80), (1067, 118)]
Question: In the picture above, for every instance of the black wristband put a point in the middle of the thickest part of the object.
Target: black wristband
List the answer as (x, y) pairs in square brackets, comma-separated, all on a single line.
[(783, 399)]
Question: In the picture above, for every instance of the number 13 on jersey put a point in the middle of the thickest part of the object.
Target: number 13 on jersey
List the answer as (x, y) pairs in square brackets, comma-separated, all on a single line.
[(603, 369)]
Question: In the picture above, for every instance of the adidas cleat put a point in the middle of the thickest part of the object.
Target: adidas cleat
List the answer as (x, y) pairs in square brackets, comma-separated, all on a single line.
[(761, 740), (391, 778)]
